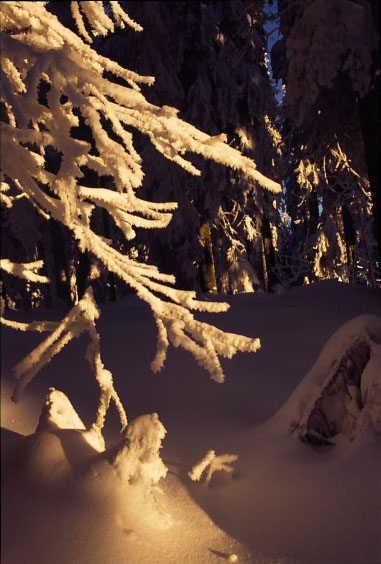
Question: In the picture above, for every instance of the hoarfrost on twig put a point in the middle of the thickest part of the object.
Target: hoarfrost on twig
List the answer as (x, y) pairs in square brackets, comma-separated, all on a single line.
[(219, 462)]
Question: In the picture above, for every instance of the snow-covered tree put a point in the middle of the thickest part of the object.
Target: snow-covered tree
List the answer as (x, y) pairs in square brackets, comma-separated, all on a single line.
[(327, 59), (80, 85), (210, 62)]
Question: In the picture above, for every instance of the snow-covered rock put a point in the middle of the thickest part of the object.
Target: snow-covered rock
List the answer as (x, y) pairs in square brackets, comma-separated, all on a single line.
[(343, 383)]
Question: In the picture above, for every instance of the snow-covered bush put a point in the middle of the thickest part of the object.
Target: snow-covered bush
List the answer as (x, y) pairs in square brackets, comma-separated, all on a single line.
[(52, 80)]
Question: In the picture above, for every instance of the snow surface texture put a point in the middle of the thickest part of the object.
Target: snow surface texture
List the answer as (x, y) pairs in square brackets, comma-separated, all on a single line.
[(286, 501)]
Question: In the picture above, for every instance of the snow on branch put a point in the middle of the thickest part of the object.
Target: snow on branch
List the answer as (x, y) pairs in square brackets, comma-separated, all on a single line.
[(175, 322), (40, 326), (37, 49), (39, 31), (219, 462), (27, 271), (80, 319), (206, 343), (99, 21), (121, 17)]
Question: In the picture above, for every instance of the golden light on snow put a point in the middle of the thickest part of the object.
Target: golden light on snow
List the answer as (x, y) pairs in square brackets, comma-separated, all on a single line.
[(245, 137), (160, 520)]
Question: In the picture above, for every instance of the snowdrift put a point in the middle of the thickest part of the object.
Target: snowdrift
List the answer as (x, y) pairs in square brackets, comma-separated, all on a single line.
[(341, 394), (68, 497)]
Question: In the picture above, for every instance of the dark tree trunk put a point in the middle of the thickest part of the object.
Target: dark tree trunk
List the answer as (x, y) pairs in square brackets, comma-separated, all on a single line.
[(370, 126), (207, 267), (350, 240), (110, 275), (60, 262), (82, 272), (265, 277), (369, 107), (314, 213), (269, 278)]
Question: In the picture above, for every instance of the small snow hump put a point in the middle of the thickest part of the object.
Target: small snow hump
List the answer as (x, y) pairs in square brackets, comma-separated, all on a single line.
[(58, 413), (136, 457)]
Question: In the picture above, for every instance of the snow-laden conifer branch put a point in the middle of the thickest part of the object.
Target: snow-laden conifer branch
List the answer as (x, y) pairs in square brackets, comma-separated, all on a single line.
[(27, 270), (34, 26), (205, 342), (82, 81), (104, 379), (121, 17), (80, 319), (40, 326), (39, 49), (77, 16), (99, 21), (72, 326)]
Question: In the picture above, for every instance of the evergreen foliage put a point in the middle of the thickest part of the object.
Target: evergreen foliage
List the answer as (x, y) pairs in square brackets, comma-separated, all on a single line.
[(327, 60), (210, 62), (81, 84)]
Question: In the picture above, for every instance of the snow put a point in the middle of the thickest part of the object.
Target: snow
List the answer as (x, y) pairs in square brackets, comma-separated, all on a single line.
[(74, 75), (317, 43), (220, 462), (337, 388), (24, 270), (286, 502)]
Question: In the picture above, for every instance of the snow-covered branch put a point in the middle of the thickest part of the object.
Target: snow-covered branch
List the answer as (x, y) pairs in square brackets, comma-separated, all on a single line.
[(214, 462), (38, 50), (28, 271), (80, 319)]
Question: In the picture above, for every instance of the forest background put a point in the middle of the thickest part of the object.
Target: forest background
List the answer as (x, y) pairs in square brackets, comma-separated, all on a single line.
[(316, 133)]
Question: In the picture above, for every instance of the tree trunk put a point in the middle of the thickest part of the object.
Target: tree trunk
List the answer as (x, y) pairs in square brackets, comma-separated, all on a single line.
[(264, 267), (314, 212), (269, 255), (344, 256), (207, 267), (82, 272), (350, 241), (62, 289), (370, 126), (110, 275)]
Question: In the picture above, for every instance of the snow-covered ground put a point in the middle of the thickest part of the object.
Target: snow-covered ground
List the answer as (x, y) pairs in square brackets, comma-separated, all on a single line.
[(286, 502)]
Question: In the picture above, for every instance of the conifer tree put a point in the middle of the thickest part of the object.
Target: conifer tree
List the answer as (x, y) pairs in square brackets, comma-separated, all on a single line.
[(212, 67), (327, 61), (83, 85)]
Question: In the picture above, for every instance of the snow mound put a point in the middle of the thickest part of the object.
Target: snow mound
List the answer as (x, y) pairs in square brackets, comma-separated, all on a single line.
[(106, 503), (342, 390), (136, 458), (61, 446), (58, 413)]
